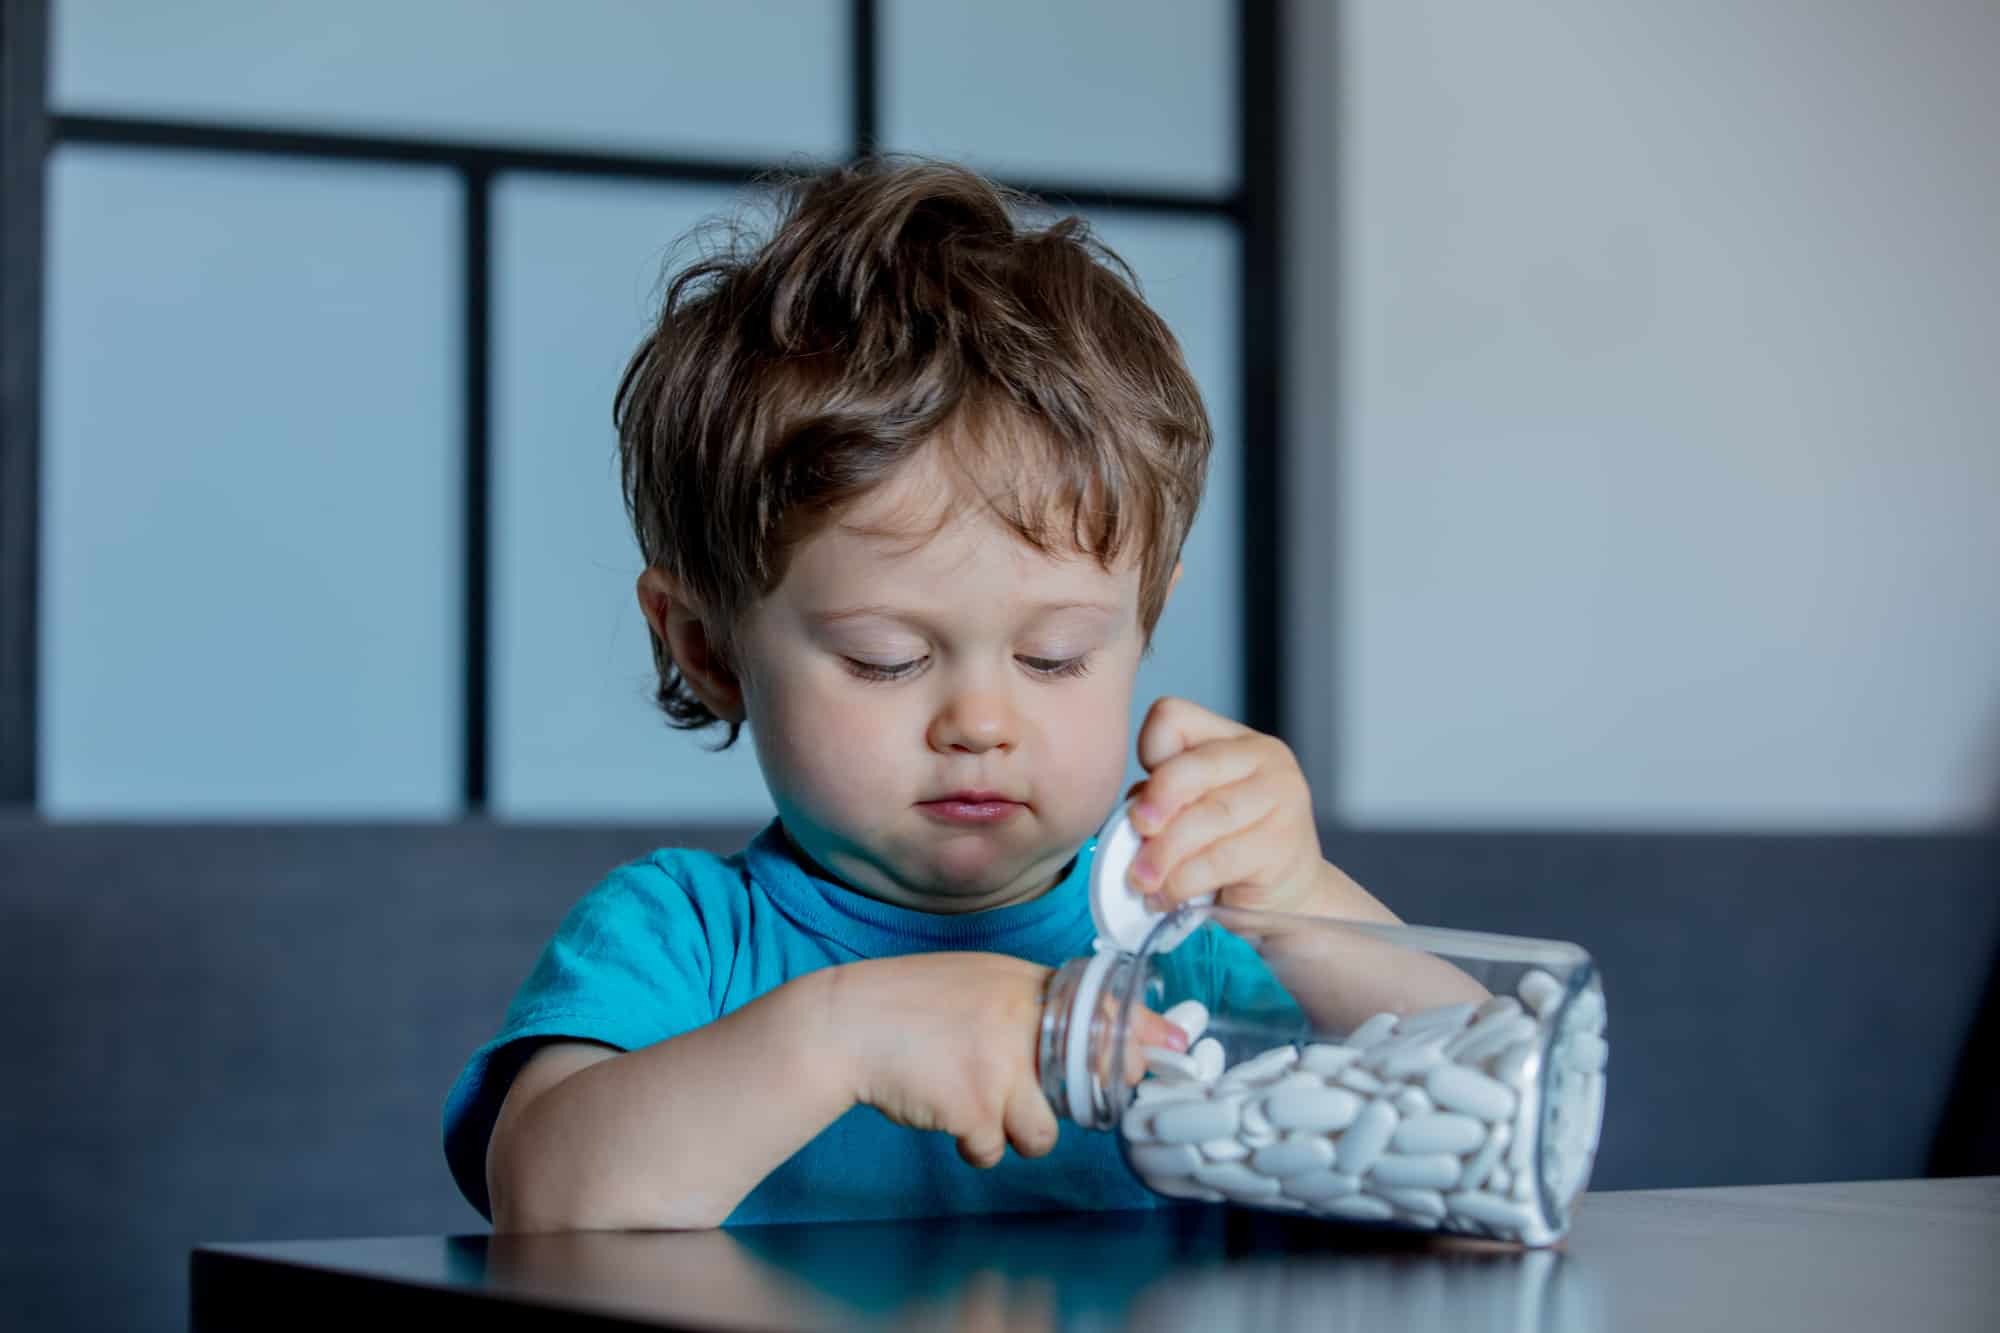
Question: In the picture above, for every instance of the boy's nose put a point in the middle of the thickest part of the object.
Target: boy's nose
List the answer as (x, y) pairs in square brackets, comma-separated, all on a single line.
[(973, 722)]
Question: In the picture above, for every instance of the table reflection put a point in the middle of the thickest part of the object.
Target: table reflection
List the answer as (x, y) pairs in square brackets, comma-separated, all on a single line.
[(1195, 1268)]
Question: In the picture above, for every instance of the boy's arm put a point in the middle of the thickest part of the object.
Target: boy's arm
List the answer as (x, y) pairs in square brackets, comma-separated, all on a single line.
[(676, 1134), (669, 1136)]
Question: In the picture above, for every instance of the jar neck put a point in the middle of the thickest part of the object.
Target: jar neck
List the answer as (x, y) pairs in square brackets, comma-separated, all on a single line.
[(1081, 1010)]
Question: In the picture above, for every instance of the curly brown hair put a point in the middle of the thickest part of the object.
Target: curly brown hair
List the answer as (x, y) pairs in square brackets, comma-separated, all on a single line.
[(897, 304)]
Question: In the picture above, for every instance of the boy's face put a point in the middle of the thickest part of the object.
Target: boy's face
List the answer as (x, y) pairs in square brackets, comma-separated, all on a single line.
[(894, 683)]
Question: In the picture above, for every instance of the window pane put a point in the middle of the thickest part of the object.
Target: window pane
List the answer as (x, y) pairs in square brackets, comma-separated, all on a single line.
[(739, 80), (250, 560), (575, 732), (1124, 92), (1188, 271)]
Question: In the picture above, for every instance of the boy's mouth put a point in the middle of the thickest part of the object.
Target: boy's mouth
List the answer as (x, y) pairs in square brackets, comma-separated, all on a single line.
[(969, 807)]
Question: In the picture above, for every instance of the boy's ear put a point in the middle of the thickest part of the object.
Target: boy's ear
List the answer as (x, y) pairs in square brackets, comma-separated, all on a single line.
[(677, 622)]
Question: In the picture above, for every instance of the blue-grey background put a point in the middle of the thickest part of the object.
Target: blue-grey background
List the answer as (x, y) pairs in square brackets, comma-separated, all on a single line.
[(1639, 549)]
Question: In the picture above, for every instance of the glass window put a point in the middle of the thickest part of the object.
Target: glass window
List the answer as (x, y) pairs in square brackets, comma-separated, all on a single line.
[(577, 269), (744, 79), (1137, 93), (250, 566), (1188, 270)]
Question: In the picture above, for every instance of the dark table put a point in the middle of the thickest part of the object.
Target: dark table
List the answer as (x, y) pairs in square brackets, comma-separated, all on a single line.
[(1907, 1256)]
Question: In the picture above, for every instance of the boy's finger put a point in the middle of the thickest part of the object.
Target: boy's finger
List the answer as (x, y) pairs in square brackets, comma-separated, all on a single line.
[(1030, 1124), (1219, 814), (983, 1148), (1173, 725), (1190, 775), (1151, 1029), (1233, 859)]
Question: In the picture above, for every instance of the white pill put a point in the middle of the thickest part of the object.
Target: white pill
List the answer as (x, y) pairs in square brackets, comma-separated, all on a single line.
[(1440, 1131), (1489, 1035), (1282, 1203), (1409, 1061), (1256, 1122), (1491, 1209), (1297, 1078), (1413, 1102), (1375, 1053), (1586, 1051), (1359, 1080), (1223, 1150), (1457, 1088), (1416, 1170), (1179, 1188), (1323, 1059), (1293, 1155), (1499, 1004), (1260, 1068), (1236, 1180), (1372, 1031), (1590, 1011), (1527, 1135), (1172, 1065), (1501, 1181), (1425, 1203), (1358, 1206), (1208, 1059), (1520, 1185), (1164, 1159), (1193, 1122), (1137, 1125), (1516, 1066), (1190, 1016), (1367, 1137), (1319, 1108), (1480, 1166), (1316, 1185), (1538, 990), (1447, 1018), (1157, 1092)]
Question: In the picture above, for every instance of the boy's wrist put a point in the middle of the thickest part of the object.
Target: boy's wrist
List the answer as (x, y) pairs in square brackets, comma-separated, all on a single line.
[(823, 1046), (1333, 893)]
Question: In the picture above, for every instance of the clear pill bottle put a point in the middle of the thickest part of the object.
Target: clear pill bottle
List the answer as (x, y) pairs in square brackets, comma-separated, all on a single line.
[(1381, 1075)]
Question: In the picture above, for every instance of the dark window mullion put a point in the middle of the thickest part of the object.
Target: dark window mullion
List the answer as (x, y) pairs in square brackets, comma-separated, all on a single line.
[(477, 276), (23, 159), (1262, 351), (865, 87)]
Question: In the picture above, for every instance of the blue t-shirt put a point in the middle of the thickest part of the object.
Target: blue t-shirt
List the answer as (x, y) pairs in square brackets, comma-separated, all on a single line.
[(680, 938)]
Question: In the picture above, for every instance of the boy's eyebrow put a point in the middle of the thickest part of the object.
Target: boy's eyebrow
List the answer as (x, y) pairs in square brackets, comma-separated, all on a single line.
[(847, 613)]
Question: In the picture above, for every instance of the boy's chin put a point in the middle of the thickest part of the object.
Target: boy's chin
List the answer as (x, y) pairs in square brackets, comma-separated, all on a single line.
[(973, 874)]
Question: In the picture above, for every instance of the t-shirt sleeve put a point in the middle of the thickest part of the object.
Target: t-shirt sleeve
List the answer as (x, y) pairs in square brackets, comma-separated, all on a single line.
[(630, 966)]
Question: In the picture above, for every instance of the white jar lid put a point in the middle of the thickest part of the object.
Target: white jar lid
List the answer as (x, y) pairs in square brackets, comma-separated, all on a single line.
[(1117, 908)]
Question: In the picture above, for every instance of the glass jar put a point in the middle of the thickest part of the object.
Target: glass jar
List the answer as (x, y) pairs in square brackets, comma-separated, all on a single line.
[(1380, 1075)]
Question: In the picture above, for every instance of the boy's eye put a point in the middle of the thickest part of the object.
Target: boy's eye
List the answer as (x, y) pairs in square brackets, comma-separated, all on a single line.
[(871, 671), (1057, 666)]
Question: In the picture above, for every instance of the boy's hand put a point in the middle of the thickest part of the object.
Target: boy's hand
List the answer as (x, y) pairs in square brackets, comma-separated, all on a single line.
[(1226, 810), (947, 1041)]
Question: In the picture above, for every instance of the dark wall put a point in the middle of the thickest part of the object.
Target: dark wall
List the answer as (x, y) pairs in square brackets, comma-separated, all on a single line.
[(247, 1033)]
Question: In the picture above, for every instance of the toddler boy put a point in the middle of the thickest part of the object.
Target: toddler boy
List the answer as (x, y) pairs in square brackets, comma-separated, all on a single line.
[(910, 479)]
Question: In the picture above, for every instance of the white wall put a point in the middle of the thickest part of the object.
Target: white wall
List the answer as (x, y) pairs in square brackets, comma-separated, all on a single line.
[(1648, 364)]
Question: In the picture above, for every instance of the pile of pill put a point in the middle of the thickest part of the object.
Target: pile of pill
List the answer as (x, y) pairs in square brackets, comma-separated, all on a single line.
[(1429, 1120)]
